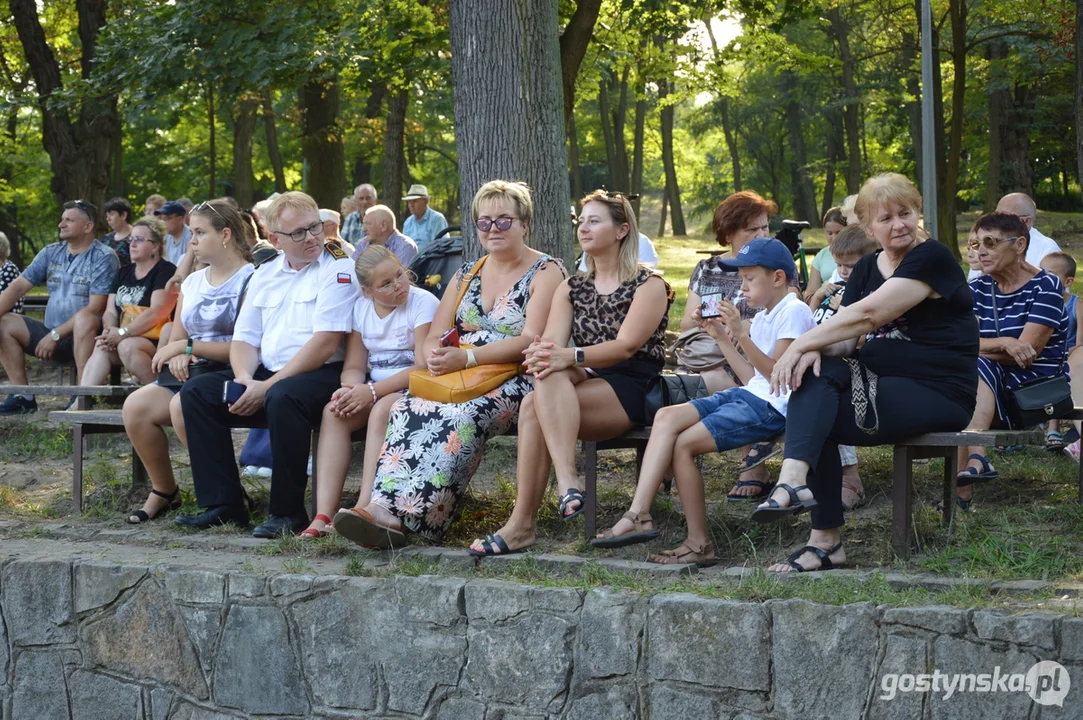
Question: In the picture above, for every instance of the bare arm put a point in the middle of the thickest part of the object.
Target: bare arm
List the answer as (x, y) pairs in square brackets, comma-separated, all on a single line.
[(356, 362), (19, 287), (648, 307), (161, 304)]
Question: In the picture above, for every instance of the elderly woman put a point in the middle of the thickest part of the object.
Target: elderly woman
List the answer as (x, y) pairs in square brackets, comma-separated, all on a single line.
[(615, 315), (1024, 333), (9, 271), (138, 307), (432, 449), (916, 373)]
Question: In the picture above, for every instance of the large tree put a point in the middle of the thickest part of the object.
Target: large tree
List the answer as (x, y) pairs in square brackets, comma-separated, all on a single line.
[(508, 109)]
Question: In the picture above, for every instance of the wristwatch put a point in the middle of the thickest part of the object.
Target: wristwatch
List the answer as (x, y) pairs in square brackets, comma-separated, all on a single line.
[(580, 356), (54, 335), (188, 348), (123, 332)]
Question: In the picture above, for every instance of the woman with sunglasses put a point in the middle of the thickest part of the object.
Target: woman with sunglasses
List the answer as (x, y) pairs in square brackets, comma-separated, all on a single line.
[(1024, 333), (432, 449)]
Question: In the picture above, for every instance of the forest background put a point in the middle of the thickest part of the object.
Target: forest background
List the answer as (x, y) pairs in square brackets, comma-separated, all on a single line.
[(682, 102)]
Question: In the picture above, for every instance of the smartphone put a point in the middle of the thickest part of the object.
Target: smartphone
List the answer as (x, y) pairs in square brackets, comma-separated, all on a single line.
[(231, 392), (711, 305), (450, 338)]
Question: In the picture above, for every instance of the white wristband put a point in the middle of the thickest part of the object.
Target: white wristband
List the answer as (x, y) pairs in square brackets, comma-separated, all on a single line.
[(373, 389), (471, 361)]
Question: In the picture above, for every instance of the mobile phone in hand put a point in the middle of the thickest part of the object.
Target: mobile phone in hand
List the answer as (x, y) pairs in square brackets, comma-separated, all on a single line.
[(232, 391), (711, 305), (450, 338)]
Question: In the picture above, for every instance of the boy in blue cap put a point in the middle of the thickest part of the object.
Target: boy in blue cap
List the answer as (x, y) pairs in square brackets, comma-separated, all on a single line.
[(728, 419)]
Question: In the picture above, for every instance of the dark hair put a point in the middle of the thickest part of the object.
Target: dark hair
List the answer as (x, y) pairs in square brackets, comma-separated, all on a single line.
[(1004, 223), (221, 215), (733, 213), (1066, 262), (852, 240), (85, 207), (834, 215), (257, 224), (120, 205)]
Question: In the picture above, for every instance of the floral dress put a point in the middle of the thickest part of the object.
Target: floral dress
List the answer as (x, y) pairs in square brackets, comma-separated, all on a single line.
[(432, 449), (120, 247)]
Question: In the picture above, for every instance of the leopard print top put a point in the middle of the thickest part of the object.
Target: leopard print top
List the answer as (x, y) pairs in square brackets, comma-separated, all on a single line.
[(597, 318)]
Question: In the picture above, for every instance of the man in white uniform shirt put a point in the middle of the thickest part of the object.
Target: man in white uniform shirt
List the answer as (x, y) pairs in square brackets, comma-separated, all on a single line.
[(287, 351), (1040, 245)]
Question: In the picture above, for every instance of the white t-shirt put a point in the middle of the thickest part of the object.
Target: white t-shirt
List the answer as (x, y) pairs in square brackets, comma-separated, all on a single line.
[(1040, 246), (390, 340), (208, 313), (790, 319), (647, 254)]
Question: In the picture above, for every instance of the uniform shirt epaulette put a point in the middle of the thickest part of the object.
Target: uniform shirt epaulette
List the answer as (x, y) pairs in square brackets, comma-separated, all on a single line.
[(336, 250), (262, 252)]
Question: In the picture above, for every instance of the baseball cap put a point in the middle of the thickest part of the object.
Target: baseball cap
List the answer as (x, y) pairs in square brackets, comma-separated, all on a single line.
[(171, 208), (763, 252)]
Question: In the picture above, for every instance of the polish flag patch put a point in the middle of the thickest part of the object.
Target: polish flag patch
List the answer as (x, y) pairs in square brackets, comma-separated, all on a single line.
[(345, 278)]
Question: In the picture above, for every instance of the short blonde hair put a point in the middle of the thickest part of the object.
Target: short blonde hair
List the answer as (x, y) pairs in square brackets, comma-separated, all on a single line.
[(5, 247), (515, 192), (886, 188), (371, 258), (620, 211), (156, 227), (853, 240), (293, 200)]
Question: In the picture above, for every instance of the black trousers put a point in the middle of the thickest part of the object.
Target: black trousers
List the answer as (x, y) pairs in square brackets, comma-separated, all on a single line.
[(820, 417), (291, 408)]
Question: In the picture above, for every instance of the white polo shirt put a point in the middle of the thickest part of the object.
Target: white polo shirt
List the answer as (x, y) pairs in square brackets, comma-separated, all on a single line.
[(285, 307)]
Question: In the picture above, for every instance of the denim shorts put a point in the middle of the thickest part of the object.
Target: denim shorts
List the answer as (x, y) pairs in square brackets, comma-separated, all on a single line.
[(735, 418)]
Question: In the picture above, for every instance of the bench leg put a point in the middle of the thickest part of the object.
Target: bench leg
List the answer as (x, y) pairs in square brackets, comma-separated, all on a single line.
[(312, 504), (77, 470), (114, 375), (1081, 482), (951, 473), (901, 494), (590, 451)]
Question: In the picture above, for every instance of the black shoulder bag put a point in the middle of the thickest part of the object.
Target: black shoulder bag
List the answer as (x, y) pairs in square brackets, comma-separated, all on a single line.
[(1039, 400), (665, 389)]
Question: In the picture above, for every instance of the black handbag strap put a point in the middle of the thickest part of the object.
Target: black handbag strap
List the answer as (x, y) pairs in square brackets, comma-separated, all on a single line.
[(996, 326)]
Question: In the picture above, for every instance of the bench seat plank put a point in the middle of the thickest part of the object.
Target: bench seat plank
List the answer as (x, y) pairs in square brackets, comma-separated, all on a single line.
[(107, 391), (972, 437), (112, 418)]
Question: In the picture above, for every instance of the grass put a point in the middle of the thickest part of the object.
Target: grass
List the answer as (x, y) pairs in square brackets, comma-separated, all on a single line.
[(35, 439)]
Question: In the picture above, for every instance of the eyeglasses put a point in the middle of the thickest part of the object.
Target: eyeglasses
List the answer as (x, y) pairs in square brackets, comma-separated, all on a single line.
[(316, 229), (206, 205), (403, 278), (86, 207), (989, 242), (502, 224)]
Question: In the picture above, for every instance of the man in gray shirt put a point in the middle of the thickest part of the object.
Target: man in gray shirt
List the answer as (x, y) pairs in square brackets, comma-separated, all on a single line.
[(79, 272), (173, 214)]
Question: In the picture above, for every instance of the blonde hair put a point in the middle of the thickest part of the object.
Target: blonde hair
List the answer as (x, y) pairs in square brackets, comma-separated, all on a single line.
[(221, 214), (293, 200), (886, 188), (156, 227), (371, 258), (514, 192), (620, 211)]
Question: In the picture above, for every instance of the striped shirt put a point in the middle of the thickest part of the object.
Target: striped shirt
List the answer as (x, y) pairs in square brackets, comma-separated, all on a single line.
[(1041, 301)]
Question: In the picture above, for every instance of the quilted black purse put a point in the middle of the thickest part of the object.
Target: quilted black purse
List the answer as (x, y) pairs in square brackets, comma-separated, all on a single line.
[(669, 388)]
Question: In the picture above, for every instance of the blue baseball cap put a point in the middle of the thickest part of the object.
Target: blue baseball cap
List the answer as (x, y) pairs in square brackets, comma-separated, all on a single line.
[(171, 208), (763, 252)]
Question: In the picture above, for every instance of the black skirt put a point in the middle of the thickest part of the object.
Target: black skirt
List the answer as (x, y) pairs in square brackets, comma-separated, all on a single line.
[(629, 379)]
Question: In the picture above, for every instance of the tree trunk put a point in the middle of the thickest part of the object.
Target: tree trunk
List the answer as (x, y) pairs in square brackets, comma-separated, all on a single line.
[(507, 109), (665, 209), (832, 159), (946, 224), (803, 193), (116, 185), (212, 155), (362, 167), (731, 143), (636, 186), (673, 190), (244, 129), (1018, 175), (394, 153), (573, 46), (321, 141), (622, 181), (80, 133), (1079, 93), (851, 101), (607, 132), (573, 162), (993, 184), (913, 92), (271, 131)]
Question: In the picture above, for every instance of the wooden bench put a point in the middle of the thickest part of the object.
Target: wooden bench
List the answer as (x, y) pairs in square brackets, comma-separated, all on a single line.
[(79, 392), (636, 438), (93, 422)]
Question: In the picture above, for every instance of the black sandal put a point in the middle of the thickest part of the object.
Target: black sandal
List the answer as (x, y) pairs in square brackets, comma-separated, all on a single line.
[(493, 545), (825, 560), (174, 504), (774, 511), (573, 495), (760, 453), (766, 488), (971, 476)]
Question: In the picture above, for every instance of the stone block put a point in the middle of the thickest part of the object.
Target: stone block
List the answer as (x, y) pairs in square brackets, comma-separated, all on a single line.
[(806, 639), (198, 587), (256, 670), (100, 697), (432, 599), (160, 702), (39, 690), (203, 624), (460, 709), (38, 602), (955, 656), (616, 702), (901, 655), (940, 620), (243, 585), (524, 661), (99, 584), (610, 636), (5, 655), (668, 703), (715, 643), (290, 584), (194, 712), (562, 601), (496, 601), (1071, 640), (1035, 629), (145, 637)]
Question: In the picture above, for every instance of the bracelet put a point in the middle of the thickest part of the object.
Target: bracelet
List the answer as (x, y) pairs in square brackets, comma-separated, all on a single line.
[(471, 361), (188, 348), (372, 387)]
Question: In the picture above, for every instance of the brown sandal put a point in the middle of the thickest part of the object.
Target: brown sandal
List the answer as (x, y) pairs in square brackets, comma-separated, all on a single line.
[(702, 557), (856, 498), (637, 535)]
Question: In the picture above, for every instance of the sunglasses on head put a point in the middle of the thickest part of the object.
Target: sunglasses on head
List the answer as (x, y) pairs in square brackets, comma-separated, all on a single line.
[(206, 205)]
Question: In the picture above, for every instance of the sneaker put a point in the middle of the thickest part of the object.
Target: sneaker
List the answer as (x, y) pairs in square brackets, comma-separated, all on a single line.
[(264, 472), (18, 405), (309, 466)]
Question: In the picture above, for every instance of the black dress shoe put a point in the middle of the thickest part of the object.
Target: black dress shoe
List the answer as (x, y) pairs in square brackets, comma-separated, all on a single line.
[(212, 517), (277, 525)]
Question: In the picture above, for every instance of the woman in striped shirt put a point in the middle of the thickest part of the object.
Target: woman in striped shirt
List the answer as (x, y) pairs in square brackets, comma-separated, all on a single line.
[(1023, 327)]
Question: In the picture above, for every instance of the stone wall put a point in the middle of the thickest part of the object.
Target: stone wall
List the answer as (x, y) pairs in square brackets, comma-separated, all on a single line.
[(86, 640)]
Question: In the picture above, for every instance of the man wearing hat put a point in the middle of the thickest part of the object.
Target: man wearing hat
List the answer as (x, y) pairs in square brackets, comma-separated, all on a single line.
[(424, 223), (330, 220), (177, 233)]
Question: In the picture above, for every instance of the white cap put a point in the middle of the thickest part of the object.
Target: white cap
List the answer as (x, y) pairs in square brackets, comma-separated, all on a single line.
[(330, 215)]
